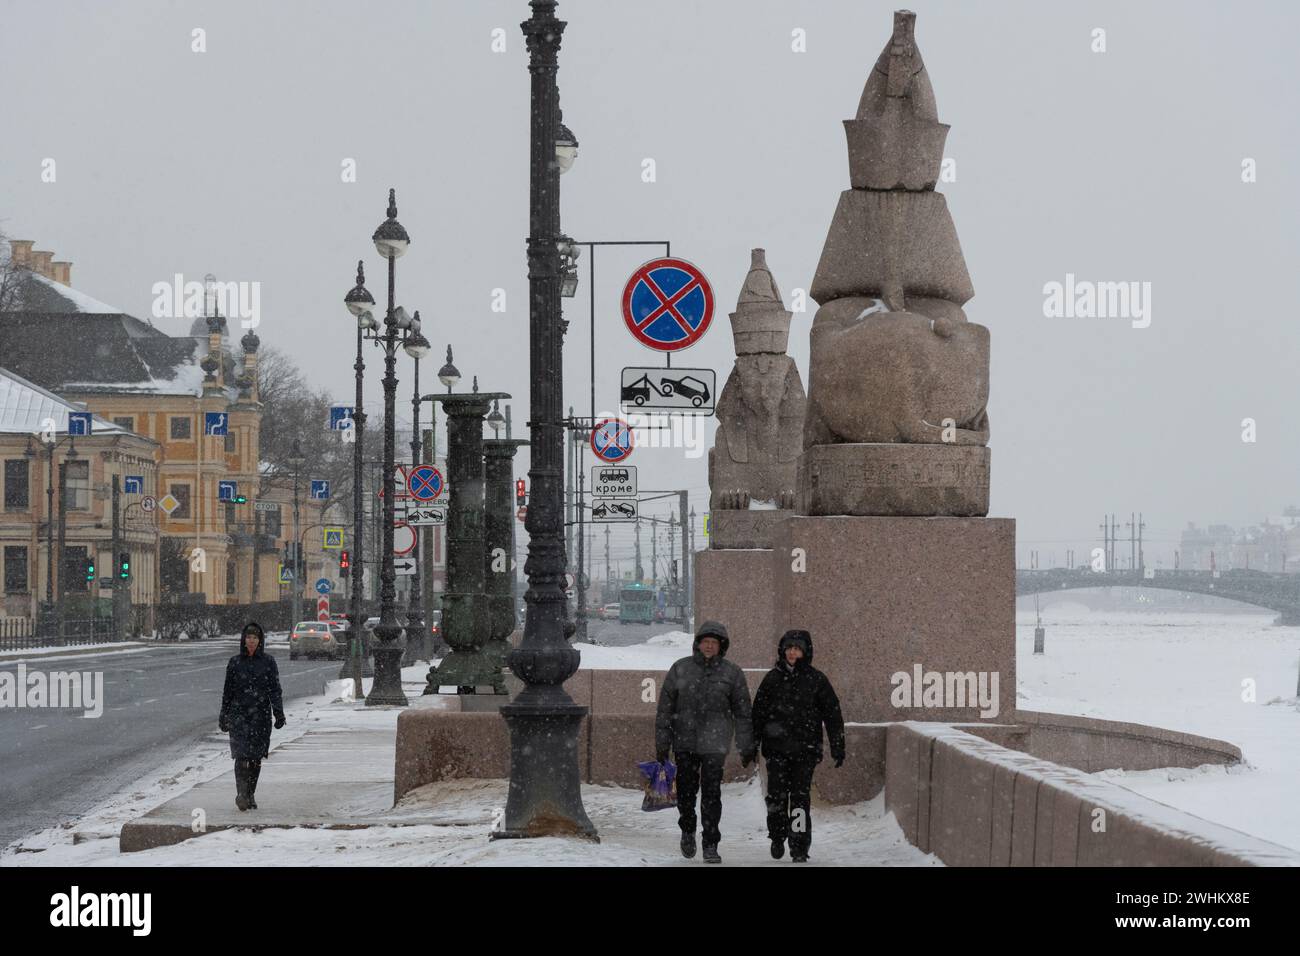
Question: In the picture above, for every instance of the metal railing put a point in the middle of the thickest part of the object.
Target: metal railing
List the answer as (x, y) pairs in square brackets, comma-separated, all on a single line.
[(21, 633)]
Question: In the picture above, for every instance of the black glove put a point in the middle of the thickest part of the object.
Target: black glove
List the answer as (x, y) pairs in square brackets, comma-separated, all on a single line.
[(839, 761), (279, 721), (223, 724), (661, 756)]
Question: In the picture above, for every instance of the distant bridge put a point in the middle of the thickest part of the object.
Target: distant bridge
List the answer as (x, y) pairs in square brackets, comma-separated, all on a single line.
[(1275, 592)]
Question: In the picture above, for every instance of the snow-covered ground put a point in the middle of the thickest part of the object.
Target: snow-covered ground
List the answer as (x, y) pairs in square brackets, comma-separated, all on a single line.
[(1183, 671), (852, 835), (1175, 670)]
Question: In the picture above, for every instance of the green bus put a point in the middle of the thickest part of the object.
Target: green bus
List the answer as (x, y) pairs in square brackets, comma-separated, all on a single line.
[(636, 604)]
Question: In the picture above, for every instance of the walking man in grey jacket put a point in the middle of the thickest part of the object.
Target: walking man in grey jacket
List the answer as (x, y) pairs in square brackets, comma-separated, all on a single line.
[(703, 704)]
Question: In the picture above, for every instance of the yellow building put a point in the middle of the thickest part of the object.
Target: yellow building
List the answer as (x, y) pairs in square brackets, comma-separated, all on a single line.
[(194, 399), (35, 446)]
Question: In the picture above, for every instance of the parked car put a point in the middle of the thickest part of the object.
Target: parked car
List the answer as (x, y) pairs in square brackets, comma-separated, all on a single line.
[(316, 639), (609, 612)]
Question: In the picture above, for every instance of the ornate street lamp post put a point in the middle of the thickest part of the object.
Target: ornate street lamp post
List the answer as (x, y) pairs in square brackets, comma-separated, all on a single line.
[(391, 241), (361, 304), (545, 797)]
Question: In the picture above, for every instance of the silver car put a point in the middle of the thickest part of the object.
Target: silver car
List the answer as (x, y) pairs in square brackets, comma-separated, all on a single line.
[(318, 639)]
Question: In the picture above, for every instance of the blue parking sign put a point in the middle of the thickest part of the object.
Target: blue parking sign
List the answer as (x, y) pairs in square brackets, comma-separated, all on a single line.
[(226, 490), (133, 484), (214, 423), (320, 489)]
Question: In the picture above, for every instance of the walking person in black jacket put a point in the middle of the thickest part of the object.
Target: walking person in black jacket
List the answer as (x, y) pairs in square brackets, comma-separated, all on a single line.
[(705, 701), (793, 702), (250, 697)]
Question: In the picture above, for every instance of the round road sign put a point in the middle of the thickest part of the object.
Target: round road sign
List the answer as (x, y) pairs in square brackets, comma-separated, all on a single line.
[(148, 503), (611, 440), (403, 538), (424, 482), (667, 304)]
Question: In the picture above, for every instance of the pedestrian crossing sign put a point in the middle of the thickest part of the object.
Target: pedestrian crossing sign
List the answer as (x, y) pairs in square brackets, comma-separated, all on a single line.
[(333, 538)]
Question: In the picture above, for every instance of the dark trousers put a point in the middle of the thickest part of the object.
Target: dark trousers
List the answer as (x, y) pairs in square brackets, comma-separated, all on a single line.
[(789, 806), (696, 772), (246, 774)]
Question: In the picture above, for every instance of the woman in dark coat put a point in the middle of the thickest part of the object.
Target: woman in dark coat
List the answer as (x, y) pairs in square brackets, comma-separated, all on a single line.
[(251, 696), (793, 703)]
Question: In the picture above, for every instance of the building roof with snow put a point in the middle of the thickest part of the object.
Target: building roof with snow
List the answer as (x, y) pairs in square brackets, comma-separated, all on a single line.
[(71, 342), (27, 408)]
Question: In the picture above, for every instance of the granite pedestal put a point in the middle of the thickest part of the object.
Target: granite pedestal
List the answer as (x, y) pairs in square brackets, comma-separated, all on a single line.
[(734, 586), (898, 596)]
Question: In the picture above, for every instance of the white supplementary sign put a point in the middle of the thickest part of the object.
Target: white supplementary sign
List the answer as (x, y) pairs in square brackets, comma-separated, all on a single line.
[(427, 515), (404, 565), (613, 481), (690, 390)]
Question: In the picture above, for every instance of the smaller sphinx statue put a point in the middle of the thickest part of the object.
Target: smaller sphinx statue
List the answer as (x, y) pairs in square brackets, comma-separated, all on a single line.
[(754, 460)]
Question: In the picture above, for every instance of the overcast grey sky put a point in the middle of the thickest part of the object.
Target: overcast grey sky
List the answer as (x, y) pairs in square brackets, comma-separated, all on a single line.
[(1117, 166)]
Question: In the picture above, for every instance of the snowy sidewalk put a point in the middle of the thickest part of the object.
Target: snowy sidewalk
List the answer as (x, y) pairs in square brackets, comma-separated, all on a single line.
[(325, 798)]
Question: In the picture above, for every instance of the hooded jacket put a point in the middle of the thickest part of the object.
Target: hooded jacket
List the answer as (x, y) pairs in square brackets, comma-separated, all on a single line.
[(793, 703), (703, 704), (250, 697)]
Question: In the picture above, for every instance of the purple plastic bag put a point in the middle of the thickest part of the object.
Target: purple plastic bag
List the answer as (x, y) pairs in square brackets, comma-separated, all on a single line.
[(660, 785)]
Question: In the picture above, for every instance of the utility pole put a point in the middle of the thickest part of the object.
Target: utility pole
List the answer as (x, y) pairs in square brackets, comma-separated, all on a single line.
[(607, 577), (637, 574), (119, 621), (654, 552), (690, 592), (685, 574), (570, 456), (1141, 557), (61, 605)]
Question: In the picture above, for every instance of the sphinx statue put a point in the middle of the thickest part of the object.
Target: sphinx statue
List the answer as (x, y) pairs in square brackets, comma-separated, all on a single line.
[(753, 462), (893, 359)]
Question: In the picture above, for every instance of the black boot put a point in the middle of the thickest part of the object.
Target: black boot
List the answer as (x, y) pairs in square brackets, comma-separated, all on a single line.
[(711, 853), (255, 771), (241, 784), (778, 847), (688, 844)]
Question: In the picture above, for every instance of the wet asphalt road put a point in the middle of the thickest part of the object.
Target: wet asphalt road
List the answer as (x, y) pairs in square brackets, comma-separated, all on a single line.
[(158, 702)]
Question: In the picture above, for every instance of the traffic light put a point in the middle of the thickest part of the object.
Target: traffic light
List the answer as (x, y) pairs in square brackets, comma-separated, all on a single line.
[(345, 560), (124, 565), (241, 499), (521, 491), (90, 569)]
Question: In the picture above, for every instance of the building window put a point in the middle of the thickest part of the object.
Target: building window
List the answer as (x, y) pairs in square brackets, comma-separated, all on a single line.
[(15, 570), (77, 493), (230, 443), (180, 428), (182, 494), (271, 523), (74, 569), (230, 577), (17, 496), (126, 422)]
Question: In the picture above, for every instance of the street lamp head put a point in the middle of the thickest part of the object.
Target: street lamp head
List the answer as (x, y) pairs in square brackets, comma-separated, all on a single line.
[(297, 458), (449, 375), (401, 319), (496, 421), (416, 345), (391, 239), (367, 321), (359, 299), (566, 148)]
